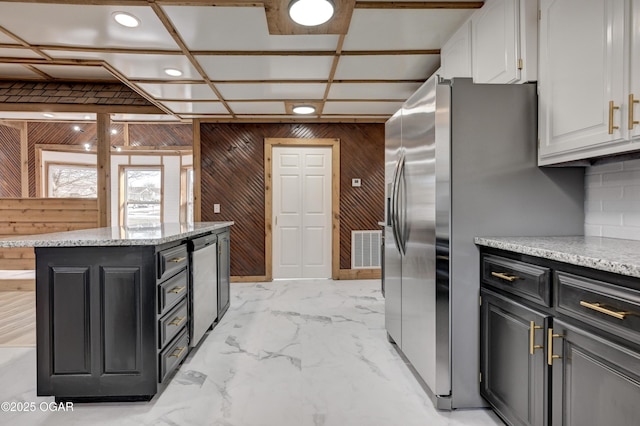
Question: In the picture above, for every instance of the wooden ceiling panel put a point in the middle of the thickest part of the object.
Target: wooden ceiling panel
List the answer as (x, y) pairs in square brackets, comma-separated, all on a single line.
[(372, 90), (387, 67), (178, 91), (233, 91), (266, 67), (83, 25), (238, 28), (403, 28)]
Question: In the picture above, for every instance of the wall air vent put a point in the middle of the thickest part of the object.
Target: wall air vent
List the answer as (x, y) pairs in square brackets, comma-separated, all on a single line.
[(365, 249)]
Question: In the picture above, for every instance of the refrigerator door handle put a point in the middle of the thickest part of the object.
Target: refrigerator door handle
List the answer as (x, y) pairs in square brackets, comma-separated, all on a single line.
[(397, 207), (402, 210), (394, 204)]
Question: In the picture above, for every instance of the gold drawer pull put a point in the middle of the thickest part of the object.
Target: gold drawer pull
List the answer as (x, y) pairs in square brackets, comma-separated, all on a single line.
[(550, 355), (632, 102), (177, 290), (505, 276), (177, 259), (612, 107), (600, 308), (532, 330), (439, 257), (179, 350), (177, 321)]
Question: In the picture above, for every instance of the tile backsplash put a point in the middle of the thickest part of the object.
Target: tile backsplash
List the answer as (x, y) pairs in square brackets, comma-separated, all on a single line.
[(612, 200)]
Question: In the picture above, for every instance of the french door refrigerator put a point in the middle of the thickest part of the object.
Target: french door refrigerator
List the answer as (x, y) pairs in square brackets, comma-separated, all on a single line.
[(460, 162)]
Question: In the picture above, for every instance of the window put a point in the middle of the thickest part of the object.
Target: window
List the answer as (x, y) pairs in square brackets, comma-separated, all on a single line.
[(186, 195), (142, 196), (72, 181)]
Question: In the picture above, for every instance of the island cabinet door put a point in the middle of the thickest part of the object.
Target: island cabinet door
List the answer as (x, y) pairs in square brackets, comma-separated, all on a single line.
[(594, 381), (512, 363), (96, 321)]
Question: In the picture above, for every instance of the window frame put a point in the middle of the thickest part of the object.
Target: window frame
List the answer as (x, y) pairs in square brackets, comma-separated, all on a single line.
[(122, 189), (61, 163)]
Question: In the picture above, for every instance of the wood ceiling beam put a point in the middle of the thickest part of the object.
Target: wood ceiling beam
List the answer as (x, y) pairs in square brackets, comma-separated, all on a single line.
[(81, 108), (286, 119), (419, 5), (23, 42), (332, 73)]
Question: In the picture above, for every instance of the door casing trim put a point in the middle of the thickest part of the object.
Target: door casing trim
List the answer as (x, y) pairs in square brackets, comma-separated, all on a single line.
[(334, 144)]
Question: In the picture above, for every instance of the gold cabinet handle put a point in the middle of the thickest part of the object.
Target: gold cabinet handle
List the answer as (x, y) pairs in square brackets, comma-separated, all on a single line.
[(179, 350), (631, 104), (440, 257), (550, 355), (599, 307), (612, 107), (505, 276), (532, 330), (178, 290), (177, 321), (177, 259)]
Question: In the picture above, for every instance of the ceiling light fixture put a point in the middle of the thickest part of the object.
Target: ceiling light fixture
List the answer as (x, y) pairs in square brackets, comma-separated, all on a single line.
[(87, 147), (87, 117), (173, 72), (311, 12), (126, 19), (303, 109), (114, 132)]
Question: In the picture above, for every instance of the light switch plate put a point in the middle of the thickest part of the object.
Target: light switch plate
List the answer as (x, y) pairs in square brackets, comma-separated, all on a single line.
[(216, 208), (356, 182)]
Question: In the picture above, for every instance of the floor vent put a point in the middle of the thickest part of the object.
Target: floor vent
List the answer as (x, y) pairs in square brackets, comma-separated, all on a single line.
[(365, 249)]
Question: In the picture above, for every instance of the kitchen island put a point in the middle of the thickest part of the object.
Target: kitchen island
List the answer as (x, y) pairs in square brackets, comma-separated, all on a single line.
[(113, 308)]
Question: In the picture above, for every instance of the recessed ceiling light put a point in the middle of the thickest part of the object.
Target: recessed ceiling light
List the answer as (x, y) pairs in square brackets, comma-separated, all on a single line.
[(311, 12), (87, 117), (303, 109), (126, 19), (87, 146), (114, 132), (48, 115), (173, 72), (118, 149), (76, 128)]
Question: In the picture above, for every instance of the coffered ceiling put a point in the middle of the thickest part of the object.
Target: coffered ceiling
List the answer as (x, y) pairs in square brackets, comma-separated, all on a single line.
[(240, 60)]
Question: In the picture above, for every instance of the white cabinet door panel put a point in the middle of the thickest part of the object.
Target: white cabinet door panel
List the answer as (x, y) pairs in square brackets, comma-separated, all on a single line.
[(495, 41), (455, 55), (581, 71)]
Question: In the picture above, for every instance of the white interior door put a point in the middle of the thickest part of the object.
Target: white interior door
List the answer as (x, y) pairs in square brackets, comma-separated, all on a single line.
[(301, 212)]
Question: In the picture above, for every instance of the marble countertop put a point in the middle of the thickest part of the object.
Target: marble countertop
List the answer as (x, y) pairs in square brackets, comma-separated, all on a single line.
[(605, 254), (115, 236)]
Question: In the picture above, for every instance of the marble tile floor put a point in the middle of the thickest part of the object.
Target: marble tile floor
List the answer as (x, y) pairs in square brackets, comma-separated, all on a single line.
[(288, 353)]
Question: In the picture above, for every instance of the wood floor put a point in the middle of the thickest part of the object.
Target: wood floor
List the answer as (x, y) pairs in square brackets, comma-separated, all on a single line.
[(17, 318)]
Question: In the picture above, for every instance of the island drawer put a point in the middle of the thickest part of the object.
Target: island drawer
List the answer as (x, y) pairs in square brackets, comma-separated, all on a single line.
[(172, 260), (173, 354), (172, 291), (172, 323), (615, 309), (521, 279)]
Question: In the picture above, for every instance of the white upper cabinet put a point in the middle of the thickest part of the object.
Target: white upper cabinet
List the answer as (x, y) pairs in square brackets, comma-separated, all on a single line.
[(633, 119), (583, 79), (455, 55), (504, 41)]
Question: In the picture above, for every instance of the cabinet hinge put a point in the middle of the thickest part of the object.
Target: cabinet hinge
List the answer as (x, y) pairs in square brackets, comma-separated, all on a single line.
[(520, 64), (481, 377)]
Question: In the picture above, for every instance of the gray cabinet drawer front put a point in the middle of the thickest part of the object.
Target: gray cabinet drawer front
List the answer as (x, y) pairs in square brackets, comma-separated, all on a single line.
[(615, 309), (172, 323), (170, 261), (173, 355), (171, 291), (521, 279)]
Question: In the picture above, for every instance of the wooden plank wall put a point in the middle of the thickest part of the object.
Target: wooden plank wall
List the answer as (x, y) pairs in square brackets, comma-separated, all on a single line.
[(10, 185), (232, 161), (27, 216)]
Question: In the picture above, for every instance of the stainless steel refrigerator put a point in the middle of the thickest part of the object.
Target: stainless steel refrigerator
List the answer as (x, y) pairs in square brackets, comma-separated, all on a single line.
[(460, 162)]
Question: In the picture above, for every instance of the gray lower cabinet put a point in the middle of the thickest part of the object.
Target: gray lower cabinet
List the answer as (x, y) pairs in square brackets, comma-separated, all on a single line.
[(560, 344), (594, 381), (512, 361)]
